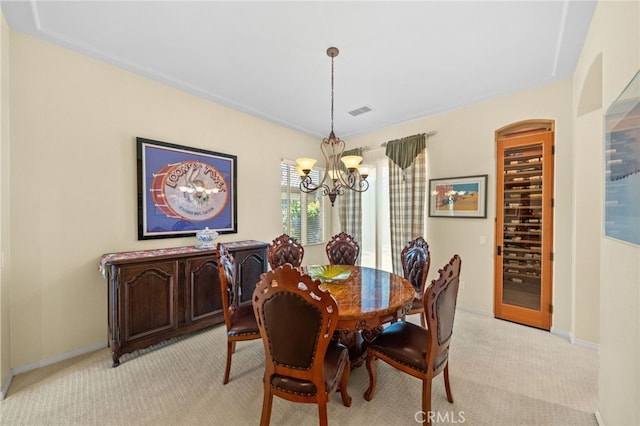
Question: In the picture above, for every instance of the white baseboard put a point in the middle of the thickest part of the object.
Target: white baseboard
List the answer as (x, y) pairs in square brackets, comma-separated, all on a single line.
[(58, 358), (586, 344), (599, 418), (571, 339), (5, 385), (474, 310), (566, 335)]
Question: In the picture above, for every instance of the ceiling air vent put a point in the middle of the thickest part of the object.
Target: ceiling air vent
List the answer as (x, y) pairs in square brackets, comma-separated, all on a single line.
[(359, 111)]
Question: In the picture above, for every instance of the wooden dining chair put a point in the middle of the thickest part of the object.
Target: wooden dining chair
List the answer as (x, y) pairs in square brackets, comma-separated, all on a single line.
[(285, 249), (239, 320), (302, 362), (416, 260), (342, 249), (420, 352)]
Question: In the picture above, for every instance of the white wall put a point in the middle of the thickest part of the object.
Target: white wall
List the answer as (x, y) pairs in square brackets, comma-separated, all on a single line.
[(5, 307), (74, 121), (465, 145), (613, 39)]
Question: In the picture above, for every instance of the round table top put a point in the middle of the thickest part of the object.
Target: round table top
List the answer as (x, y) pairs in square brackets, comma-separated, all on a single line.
[(363, 293)]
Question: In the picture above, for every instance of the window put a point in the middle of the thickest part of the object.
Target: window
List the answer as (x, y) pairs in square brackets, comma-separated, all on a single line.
[(376, 236), (302, 213)]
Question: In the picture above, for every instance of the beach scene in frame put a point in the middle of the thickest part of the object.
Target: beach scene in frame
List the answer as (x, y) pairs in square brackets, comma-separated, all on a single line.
[(458, 197)]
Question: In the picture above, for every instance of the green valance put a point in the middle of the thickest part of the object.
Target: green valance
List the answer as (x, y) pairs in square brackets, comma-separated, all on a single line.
[(404, 151), (354, 151)]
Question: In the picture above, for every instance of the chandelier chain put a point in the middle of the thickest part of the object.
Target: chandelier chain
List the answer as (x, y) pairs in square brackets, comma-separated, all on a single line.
[(332, 94)]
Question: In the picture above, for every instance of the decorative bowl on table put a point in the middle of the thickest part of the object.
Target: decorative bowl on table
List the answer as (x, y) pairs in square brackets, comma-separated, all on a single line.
[(207, 238), (329, 273)]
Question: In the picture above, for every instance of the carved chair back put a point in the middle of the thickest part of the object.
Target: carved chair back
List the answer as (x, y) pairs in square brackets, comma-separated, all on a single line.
[(416, 260), (420, 352), (440, 307), (342, 249), (239, 320), (285, 249), (227, 276), (297, 321)]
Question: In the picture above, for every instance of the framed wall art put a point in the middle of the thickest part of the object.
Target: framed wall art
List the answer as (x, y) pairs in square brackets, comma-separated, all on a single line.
[(182, 190), (622, 165), (458, 197)]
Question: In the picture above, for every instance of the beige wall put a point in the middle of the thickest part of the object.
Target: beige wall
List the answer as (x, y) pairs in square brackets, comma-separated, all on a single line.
[(5, 307), (465, 145), (613, 41), (76, 123), (73, 195), (72, 139)]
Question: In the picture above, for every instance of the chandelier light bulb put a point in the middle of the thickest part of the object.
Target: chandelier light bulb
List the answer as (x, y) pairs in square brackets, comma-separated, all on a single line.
[(306, 164), (334, 175), (300, 172), (365, 170), (351, 161)]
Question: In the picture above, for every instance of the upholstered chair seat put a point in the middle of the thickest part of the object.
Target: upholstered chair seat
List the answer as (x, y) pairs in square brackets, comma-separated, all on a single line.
[(416, 305), (334, 362), (244, 323), (405, 343)]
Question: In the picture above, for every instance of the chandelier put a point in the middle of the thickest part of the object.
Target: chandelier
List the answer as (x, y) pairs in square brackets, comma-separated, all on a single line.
[(342, 172)]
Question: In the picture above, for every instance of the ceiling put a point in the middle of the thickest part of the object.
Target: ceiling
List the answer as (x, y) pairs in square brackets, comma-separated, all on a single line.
[(404, 60)]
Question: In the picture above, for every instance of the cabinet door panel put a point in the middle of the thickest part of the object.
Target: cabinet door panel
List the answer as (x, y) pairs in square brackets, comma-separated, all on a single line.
[(148, 295), (250, 265), (204, 288)]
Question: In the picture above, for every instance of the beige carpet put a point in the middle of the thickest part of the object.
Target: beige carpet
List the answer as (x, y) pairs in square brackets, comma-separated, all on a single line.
[(501, 374)]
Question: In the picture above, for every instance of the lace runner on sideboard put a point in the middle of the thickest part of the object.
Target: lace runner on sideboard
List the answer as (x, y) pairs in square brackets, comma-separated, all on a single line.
[(142, 254)]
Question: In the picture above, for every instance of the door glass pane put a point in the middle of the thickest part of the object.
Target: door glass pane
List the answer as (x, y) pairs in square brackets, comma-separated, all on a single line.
[(368, 244), (375, 247), (522, 230)]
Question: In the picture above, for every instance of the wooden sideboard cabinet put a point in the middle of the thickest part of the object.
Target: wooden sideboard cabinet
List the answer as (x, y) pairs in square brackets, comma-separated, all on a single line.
[(155, 295)]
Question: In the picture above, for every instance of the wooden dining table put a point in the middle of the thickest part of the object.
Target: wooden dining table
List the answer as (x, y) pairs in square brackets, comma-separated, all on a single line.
[(367, 298)]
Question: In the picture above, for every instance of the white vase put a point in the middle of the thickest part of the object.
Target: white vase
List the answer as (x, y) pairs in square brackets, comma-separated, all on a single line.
[(207, 238)]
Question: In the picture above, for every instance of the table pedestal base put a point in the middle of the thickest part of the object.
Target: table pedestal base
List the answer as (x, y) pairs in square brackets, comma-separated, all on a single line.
[(356, 342)]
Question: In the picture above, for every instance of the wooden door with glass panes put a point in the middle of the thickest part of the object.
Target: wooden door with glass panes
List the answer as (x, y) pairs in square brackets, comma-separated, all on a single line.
[(524, 223)]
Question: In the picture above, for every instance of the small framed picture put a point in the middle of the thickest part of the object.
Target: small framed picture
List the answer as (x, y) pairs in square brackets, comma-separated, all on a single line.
[(458, 197)]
